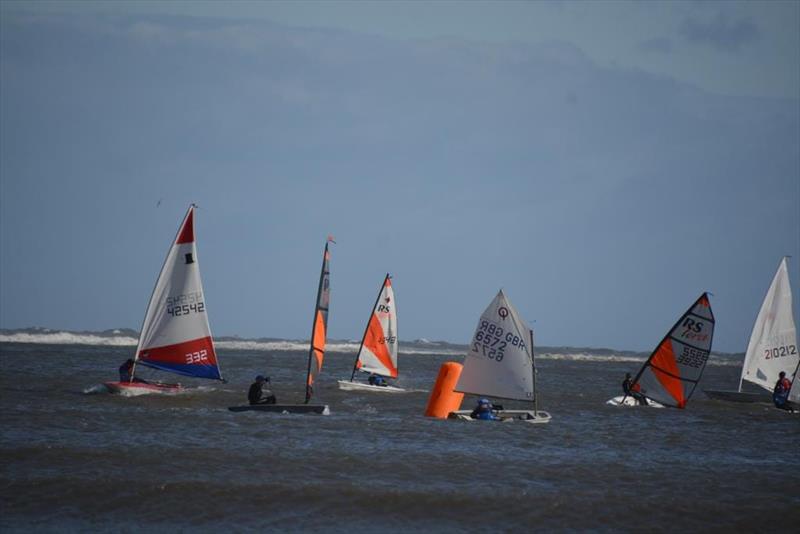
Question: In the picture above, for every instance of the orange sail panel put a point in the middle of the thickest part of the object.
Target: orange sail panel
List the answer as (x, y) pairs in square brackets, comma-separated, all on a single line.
[(375, 341), (672, 372)]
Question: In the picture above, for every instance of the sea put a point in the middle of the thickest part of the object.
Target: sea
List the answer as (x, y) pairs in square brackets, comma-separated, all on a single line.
[(75, 458)]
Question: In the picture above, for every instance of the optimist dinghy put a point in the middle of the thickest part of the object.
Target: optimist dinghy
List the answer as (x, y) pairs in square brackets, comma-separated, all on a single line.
[(500, 363), (377, 353), (175, 333), (671, 373), (773, 344)]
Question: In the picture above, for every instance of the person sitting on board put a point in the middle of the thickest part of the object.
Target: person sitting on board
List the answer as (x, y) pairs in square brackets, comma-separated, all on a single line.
[(376, 380), (633, 390), (781, 392), (257, 393), (125, 371), (484, 410)]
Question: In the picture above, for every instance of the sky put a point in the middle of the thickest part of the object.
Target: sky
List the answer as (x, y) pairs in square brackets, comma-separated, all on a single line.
[(603, 162)]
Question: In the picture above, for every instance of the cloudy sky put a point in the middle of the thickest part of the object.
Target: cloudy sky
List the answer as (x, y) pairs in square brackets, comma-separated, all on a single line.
[(604, 162)]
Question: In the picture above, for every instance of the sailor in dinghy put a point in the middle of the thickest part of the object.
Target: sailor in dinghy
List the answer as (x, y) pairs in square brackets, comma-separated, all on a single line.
[(500, 363), (175, 334), (377, 354)]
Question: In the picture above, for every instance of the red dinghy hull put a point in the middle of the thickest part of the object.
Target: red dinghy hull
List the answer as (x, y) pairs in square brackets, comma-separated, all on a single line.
[(134, 389)]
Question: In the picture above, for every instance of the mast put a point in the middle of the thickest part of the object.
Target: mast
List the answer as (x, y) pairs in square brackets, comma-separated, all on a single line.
[(366, 328), (535, 385), (317, 309)]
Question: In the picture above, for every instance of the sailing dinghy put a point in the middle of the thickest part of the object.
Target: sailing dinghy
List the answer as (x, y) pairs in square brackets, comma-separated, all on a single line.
[(671, 373), (500, 363), (316, 351), (773, 344), (378, 351), (175, 333)]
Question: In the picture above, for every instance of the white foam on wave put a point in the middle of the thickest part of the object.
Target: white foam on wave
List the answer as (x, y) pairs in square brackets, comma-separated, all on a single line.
[(71, 338), (68, 338)]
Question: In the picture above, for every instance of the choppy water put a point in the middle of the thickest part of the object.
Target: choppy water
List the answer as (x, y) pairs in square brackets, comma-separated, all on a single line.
[(72, 461)]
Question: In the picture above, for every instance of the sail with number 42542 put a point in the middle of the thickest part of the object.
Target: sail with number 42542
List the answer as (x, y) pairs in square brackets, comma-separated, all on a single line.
[(175, 335)]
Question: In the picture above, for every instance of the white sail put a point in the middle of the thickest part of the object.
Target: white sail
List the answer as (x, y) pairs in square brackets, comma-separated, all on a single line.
[(773, 342), (794, 393), (175, 334), (500, 358), (378, 352)]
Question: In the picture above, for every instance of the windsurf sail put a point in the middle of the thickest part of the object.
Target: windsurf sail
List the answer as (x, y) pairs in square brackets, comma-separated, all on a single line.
[(671, 373), (773, 342), (378, 351), (319, 328), (175, 334), (500, 358)]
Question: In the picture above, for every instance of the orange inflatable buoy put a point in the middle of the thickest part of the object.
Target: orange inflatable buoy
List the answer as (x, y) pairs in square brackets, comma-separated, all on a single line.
[(443, 399)]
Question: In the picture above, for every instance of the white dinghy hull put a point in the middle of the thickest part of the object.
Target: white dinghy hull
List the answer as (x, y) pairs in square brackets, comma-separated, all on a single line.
[(346, 385), (526, 416), (630, 401)]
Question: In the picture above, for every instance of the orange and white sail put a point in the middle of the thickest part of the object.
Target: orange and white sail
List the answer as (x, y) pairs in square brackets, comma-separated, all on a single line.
[(378, 351), (673, 370), (319, 329), (175, 334)]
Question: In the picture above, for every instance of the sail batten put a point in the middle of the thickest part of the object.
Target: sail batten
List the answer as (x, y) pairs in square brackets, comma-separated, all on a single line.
[(175, 335)]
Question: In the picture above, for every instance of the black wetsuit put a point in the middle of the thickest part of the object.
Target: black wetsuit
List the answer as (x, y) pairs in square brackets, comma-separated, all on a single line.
[(256, 394), (627, 387)]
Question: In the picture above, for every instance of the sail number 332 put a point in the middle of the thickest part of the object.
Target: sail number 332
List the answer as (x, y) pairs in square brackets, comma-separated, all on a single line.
[(200, 356)]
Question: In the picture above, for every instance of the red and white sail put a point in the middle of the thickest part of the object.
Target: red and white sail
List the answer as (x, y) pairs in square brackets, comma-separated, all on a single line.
[(378, 353), (175, 334), (672, 372)]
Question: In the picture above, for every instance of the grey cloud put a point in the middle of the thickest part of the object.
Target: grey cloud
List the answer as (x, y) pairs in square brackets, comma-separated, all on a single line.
[(721, 33), (661, 45)]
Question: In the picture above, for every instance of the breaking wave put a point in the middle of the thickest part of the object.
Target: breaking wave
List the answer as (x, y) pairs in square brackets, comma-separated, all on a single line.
[(419, 347)]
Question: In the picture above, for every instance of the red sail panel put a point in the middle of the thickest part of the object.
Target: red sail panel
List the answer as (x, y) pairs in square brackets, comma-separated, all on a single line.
[(665, 368), (191, 358), (186, 234), (375, 341)]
